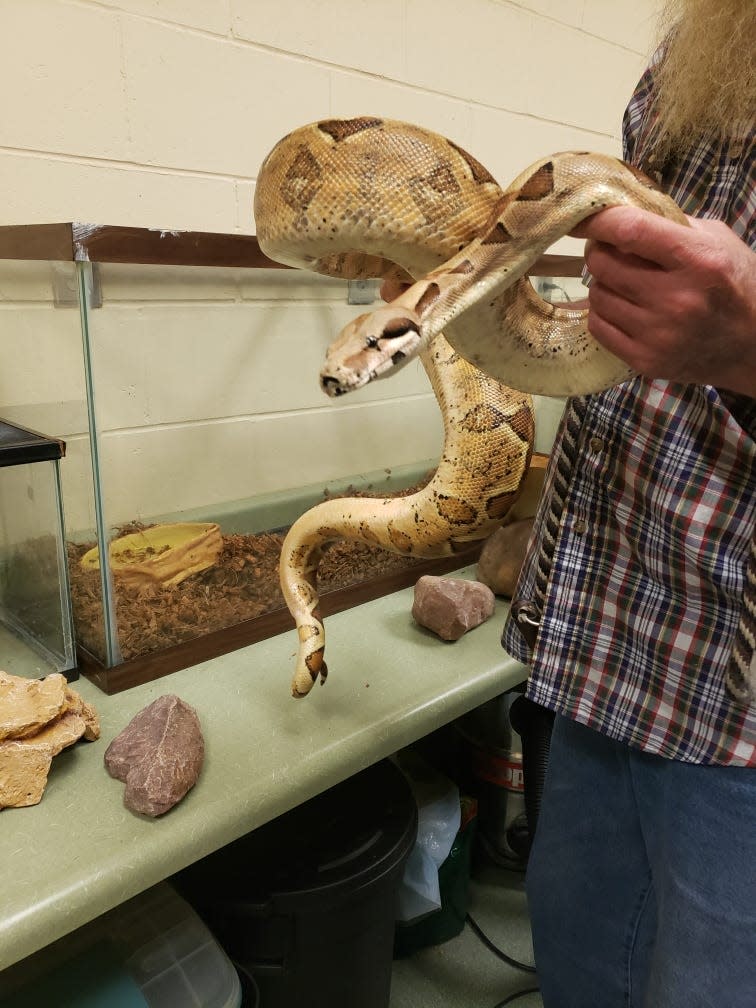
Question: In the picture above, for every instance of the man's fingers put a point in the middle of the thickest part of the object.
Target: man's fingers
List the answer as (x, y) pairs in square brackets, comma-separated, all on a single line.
[(640, 233), (619, 328), (626, 274), (625, 315)]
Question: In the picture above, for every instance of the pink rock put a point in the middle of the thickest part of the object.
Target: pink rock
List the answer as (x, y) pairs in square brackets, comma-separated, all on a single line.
[(451, 606)]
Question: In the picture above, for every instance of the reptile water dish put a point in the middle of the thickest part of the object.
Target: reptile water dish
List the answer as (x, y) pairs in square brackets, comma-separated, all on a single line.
[(161, 554)]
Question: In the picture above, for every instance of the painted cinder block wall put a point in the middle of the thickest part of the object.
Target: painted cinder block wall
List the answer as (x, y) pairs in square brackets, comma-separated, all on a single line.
[(158, 113)]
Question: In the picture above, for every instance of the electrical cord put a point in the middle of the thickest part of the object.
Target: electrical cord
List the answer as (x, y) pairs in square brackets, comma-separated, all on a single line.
[(249, 985), (525, 967), (515, 997)]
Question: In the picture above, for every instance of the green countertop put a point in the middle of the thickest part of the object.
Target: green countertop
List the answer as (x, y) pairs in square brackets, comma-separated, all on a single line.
[(80, 851)]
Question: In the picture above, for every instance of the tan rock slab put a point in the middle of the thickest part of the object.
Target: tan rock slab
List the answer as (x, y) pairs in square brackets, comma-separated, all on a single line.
[(26, 756), (57, 735), (26, 705), (23, 774), (87, 712)]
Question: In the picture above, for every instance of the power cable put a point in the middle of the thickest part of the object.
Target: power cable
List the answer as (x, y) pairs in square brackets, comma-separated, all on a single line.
[(525, 967), (514, 997)]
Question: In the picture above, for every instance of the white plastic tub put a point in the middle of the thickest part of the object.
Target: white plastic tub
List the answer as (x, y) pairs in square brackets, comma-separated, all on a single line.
[(153, 951)]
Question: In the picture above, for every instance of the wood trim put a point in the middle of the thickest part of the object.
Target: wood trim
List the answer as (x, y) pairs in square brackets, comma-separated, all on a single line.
[(101, 243), (37, 241), (168, 248), (72, 242), (557, 266)]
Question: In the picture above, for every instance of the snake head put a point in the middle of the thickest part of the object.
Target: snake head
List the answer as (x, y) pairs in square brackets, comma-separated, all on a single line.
[(369, 347)]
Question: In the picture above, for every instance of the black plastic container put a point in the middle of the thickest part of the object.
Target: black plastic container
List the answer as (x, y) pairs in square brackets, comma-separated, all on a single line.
[(306, 904)]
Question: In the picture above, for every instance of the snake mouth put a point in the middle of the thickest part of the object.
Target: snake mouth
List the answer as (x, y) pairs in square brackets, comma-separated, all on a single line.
[(332, 386), (340, 380)]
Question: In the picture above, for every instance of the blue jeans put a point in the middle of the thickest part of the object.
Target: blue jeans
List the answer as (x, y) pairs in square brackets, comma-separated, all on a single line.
[(642, 879)]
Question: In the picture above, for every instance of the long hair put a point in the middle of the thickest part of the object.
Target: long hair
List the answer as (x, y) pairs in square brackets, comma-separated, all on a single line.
[(706, 77)]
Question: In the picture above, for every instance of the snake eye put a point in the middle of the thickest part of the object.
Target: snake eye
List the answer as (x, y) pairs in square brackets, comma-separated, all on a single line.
[(399, 327), (372, 342)]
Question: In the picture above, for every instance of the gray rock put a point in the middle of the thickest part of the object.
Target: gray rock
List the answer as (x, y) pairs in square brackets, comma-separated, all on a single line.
[(159, 755), (451, 606)]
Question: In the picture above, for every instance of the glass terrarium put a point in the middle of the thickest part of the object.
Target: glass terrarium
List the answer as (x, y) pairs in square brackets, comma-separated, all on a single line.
[(36, 626), (182, 371)]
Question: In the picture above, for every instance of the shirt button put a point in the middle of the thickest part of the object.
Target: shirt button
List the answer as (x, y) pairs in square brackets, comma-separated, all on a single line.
[(578, 526), (596, 444)]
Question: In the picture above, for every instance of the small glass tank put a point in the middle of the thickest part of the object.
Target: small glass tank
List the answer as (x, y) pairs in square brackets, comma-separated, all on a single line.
[(36, 628)]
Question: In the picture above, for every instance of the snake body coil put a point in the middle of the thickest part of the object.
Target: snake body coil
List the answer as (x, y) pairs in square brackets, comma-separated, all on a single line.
[(371, 197)]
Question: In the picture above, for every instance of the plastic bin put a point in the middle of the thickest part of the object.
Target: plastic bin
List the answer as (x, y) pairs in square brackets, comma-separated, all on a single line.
[(306, 904), (152, 952)]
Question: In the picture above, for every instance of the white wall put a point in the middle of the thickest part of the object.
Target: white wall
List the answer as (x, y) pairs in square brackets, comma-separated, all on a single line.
[(157, 113)]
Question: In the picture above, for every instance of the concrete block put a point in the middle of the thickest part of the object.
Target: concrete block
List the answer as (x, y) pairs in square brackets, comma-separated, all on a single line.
[(632, 25), (41, 189), (211, 17), (211, 105), (507, 143), (579, 79), (60, 75), (476, 51), (42, 356), (569, 12), (351, 33), (352, 95)]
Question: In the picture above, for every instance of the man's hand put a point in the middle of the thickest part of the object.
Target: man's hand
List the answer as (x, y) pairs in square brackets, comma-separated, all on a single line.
[(671, 301)]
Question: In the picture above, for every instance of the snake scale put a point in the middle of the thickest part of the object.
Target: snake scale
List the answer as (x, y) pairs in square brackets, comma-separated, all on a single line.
[(373, 197)]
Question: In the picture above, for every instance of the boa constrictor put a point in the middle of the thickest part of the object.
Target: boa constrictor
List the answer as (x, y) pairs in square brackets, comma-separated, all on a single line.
[(370, 197)]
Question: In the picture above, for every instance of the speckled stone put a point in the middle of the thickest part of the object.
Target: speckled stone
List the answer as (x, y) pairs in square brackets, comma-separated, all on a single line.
[(451, 606), (158, 755)]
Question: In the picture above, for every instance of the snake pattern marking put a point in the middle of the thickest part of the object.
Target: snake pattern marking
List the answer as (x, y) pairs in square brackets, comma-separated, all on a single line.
[(372, 197)]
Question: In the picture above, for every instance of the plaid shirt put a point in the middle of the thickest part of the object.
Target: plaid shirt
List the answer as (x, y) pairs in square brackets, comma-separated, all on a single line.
[(643, 591)]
